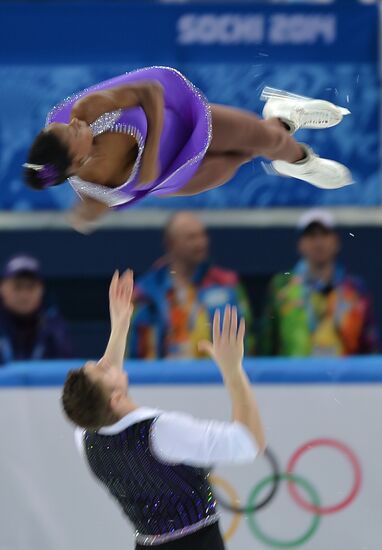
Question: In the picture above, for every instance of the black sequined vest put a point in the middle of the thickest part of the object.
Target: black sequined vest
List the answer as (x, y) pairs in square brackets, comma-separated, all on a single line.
[(163, 501)]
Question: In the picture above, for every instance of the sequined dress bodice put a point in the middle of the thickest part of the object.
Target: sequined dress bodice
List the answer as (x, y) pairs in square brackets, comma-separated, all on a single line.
[(185, 136), (130, 122), (163, 501)]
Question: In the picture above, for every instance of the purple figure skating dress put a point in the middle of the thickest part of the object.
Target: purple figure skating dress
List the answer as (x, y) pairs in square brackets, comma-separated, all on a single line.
[(185, 137)]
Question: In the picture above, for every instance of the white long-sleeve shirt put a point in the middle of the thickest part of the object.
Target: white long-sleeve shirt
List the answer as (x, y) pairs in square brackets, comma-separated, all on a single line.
[(180, 438)]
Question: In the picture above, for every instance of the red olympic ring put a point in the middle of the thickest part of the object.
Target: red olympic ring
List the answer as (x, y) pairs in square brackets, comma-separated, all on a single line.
[(325, 510)]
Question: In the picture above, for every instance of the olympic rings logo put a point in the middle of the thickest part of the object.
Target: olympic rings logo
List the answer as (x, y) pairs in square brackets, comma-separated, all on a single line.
[(309, 500)]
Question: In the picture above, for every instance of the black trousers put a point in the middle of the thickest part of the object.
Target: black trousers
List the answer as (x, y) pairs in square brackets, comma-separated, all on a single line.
[(208, 538)]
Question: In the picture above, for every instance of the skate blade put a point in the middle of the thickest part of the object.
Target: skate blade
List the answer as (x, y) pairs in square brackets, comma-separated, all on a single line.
[(269, 93)]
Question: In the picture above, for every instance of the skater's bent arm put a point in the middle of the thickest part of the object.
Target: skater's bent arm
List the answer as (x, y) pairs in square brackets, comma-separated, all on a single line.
[(146, 94), (92, 106), (153, 105), (121, 310)]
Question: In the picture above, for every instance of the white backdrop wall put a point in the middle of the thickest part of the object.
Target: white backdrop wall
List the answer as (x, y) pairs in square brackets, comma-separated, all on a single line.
[(50, 501)]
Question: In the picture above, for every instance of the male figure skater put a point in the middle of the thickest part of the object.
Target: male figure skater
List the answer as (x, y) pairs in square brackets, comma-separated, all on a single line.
[(154, 463)]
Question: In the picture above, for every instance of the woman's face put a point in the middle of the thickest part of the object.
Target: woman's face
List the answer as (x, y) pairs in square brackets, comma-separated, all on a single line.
[(77, 136)]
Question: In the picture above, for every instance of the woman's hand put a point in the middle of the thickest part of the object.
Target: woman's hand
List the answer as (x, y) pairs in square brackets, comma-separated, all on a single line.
[(84, 215), (152, 101), (149, 168)]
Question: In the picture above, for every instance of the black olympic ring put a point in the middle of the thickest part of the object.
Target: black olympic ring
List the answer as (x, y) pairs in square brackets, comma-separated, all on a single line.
[(272, 492)]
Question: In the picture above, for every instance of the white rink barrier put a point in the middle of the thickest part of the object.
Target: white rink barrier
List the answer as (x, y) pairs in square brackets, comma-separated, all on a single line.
[(317, 487)]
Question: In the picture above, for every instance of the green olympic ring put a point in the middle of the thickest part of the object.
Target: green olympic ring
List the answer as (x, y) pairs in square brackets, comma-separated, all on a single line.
[(277, 543)]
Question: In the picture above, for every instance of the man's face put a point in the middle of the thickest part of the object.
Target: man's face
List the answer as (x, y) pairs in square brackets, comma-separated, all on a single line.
[(189, 243), (22, 295), (319, 246), (112, 380)]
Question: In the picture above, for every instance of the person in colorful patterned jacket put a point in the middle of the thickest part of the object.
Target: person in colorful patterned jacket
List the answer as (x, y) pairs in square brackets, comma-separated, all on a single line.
[(318, 309), (175, 301)]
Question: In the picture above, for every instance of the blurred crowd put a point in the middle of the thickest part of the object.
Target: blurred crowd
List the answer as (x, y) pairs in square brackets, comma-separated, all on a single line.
[(29, 327), (316, 308)]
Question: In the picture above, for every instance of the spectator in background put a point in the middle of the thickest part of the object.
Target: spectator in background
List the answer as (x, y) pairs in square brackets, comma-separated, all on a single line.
[(28, 329), (176, 299), (318, 309)]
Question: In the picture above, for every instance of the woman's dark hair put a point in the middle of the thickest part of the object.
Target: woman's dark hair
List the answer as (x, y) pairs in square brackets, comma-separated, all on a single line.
[(51, 160)]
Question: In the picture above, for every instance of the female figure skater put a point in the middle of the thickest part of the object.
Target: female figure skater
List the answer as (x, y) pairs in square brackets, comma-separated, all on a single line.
[(151, 131)]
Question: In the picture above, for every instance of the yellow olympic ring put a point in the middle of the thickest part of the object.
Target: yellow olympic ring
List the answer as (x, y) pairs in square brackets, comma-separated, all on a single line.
[(235, 501)]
